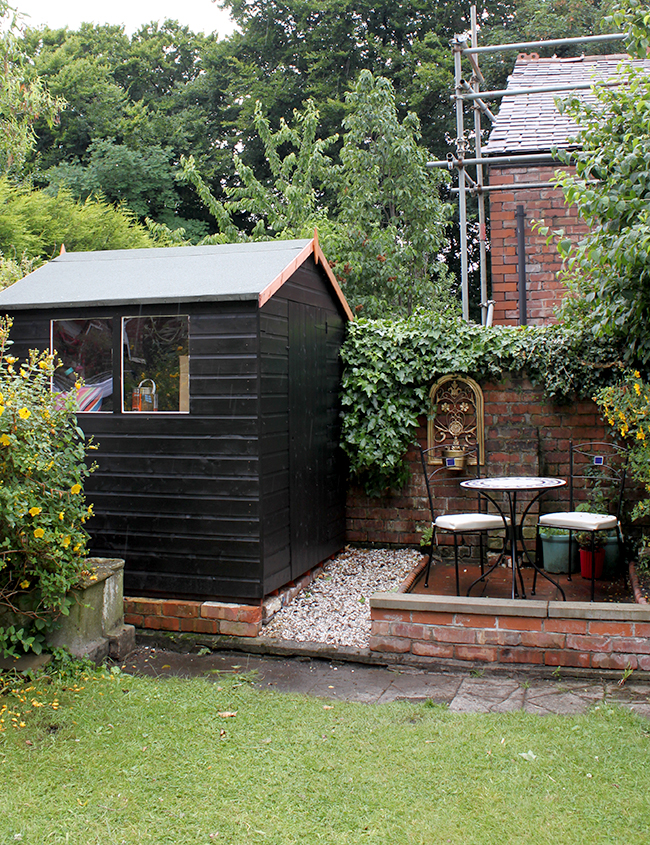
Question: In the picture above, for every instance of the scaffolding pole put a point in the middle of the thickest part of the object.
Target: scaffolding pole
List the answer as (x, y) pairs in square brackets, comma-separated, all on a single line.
[(465, 91)]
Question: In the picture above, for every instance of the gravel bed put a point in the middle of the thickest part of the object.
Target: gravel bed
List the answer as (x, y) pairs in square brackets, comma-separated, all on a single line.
[(335, 608)]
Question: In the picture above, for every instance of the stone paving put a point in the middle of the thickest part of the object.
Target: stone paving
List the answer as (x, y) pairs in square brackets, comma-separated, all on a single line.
[(464, 691)]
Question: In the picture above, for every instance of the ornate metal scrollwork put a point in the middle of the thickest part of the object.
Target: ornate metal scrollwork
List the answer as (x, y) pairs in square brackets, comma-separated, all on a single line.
[(456, 417)]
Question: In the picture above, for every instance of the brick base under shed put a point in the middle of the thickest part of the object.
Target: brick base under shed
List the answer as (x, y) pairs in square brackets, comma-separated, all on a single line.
[(207, 617), (503, 631)]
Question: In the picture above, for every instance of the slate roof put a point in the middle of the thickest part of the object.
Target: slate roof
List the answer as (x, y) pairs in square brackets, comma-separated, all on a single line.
[(241, 271), (531, 123)]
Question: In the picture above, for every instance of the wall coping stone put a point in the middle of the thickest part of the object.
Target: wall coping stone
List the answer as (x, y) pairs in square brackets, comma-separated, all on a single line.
[(619, 611), (459, 604)]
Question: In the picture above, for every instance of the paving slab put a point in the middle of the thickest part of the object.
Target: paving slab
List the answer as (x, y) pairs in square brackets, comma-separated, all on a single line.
[(463, 691)]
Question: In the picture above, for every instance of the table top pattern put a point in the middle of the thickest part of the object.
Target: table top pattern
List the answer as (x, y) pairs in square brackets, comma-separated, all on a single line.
[(511, 483)]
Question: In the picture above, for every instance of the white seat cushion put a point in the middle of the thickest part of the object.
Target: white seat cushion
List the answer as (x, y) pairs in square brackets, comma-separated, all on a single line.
[(578, 521), (460, 522)]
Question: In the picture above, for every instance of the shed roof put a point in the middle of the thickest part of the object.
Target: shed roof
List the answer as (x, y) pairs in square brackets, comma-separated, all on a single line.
[(241, 271), (530, 123)]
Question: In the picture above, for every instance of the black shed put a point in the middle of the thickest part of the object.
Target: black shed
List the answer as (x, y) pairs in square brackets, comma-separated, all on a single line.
[(212, 389)]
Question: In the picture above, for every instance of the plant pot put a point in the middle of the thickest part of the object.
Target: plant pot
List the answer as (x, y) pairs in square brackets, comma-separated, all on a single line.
[(610, 568), (454, 459), (589, 562), (555, 553)]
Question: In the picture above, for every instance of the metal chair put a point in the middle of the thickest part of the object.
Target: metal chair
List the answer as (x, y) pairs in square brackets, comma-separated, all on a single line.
[(457, 524), (596, 469)]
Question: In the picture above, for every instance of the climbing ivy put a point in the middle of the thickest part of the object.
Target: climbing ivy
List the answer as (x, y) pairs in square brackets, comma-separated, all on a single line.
[(390, 365)]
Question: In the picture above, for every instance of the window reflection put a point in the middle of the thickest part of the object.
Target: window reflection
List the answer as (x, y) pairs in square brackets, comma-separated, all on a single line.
[(155, 364), (85, 348)]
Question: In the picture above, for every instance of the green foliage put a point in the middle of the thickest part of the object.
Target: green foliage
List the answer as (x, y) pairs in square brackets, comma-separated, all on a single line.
[(35, 225), (379, 214), (142, 180), (22, 102), (288, 206), (42, 507), (11, 269), (391, 222), (626, 407), (608, 271), (391, 364)]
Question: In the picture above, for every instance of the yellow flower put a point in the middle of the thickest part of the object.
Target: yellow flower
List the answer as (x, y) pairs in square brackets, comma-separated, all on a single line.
[(39, 533), (2, 408), (35, 511), (5, 440), (637, 374), (42, 365), (24, 413), (90, 510), (61, 516), (640, 435), (11, 359), (66, 541), (24, 585), (76, 488), (637, 388)]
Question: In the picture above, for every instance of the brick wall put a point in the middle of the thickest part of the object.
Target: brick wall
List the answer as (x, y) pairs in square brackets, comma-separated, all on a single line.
[(524, 435), (500, 631), (208, 617), (544, 290)]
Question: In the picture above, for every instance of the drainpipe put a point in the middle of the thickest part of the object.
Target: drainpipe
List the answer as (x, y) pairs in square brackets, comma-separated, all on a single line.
[(521, 264)]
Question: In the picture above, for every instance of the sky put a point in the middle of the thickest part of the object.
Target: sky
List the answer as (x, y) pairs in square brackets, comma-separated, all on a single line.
[(199, 15)]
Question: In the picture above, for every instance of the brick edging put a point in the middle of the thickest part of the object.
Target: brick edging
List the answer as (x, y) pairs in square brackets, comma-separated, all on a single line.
[(548, 633), (639, 598)]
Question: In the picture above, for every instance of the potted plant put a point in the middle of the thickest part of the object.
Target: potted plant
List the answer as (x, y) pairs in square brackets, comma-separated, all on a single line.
[(556, 548), (591, 562)]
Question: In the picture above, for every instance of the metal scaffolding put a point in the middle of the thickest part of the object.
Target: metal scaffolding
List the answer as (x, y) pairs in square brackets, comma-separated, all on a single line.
[(468, 91)]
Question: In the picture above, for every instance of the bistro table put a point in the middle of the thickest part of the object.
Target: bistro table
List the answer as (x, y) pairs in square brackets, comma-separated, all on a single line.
[(511, 486)]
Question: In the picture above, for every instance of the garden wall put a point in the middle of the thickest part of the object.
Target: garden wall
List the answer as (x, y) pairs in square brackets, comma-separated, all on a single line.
[(504, 631), (524, 435)]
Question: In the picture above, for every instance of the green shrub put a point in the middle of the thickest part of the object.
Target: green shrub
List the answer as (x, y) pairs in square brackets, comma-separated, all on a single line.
[(42, 505), (626, 407)]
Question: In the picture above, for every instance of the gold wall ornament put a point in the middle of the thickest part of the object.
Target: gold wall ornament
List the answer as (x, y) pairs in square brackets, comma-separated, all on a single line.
[(456, 420)]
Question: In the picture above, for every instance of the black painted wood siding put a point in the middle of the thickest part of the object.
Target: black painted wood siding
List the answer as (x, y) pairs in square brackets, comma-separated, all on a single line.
[(215, 504), (303, 472)]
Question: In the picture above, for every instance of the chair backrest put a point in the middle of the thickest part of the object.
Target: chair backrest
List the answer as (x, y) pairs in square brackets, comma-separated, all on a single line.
[(597, 474), (437, 464)]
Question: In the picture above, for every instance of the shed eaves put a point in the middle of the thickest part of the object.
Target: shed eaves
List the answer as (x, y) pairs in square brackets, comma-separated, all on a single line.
[(530, 123), (177, 274)]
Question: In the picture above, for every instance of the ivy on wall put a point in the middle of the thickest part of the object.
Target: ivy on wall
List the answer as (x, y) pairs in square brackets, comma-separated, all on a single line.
[(389, 366)]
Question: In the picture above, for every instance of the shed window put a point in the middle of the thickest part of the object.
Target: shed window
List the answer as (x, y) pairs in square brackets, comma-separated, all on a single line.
[(85, 349), (155, 364)]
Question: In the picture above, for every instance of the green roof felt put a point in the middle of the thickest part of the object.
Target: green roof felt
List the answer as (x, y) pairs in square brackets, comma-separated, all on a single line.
[(177, 274)]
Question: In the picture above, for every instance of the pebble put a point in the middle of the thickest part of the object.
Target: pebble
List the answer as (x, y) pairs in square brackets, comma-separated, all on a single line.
[(335, 608)]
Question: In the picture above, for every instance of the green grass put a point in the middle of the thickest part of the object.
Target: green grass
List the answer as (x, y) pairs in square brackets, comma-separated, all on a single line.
[(117, 759)]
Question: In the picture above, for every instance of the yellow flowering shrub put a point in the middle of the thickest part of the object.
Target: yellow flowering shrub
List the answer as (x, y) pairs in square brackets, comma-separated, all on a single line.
[(626, 407), (42, 506)]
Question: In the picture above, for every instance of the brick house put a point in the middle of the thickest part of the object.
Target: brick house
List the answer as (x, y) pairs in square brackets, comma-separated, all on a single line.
[(526, 130)]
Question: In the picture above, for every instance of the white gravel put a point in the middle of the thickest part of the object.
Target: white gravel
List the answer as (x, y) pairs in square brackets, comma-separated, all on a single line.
[(335, 608)]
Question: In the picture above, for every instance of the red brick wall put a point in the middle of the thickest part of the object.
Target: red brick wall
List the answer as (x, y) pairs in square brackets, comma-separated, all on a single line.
[(544, 290), (524, 435), (501, 631)]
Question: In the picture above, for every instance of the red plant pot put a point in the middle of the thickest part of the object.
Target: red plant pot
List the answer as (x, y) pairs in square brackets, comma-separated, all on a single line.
[(587, 561)]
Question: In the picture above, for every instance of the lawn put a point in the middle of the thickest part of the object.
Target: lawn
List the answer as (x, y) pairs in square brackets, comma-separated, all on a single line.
[(112, 758)]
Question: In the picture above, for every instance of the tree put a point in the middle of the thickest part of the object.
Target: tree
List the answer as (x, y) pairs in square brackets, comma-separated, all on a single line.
[(608, 271), (379, 214), (391, 220), (21, 102)]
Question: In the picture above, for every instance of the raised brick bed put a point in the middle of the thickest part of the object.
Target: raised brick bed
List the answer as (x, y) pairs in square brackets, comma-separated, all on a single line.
[(506, 632)]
